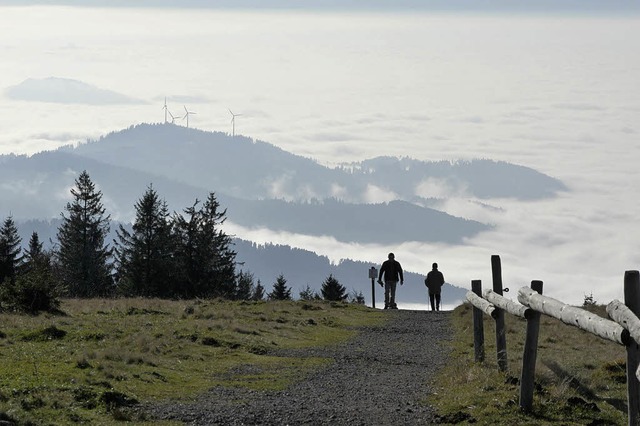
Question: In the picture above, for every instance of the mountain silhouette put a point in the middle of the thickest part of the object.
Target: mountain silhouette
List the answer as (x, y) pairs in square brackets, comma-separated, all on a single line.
[(246, 168), (65, 91), (186, 164)]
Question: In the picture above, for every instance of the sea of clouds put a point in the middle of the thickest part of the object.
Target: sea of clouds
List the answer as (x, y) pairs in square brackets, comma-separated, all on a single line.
[(558, 93)]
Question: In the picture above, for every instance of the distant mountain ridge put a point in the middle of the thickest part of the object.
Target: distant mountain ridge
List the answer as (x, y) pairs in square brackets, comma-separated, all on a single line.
[(183, 164), (65, 91), (251, 169)]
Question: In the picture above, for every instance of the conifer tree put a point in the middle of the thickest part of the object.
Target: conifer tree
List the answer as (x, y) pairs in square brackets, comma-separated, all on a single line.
[(33, 254), (357, 297), (258, 292), (309, 294), (35, 248), (332, 290), (83, 256), (223, 260), (244, 286), (35, 287), (205, 259), (10, 258), (144, 262), (280, 290)]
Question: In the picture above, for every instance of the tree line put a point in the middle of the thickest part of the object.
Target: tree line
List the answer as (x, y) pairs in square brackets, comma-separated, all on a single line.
[(181, 255)]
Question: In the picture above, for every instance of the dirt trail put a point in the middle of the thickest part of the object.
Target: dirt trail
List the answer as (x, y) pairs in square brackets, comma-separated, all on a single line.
[(380, 377)]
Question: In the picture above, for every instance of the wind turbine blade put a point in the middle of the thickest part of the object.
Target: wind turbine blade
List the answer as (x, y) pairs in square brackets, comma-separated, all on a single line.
[(231, 112), (185, 109)]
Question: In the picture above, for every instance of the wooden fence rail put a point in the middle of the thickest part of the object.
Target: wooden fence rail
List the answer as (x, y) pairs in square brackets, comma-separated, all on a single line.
[(623, 328), (577, 317)]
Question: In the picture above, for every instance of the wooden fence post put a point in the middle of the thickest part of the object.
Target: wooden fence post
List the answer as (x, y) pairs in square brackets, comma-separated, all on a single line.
[(478, 328), (529, 356), (501, 335), (632, 301)]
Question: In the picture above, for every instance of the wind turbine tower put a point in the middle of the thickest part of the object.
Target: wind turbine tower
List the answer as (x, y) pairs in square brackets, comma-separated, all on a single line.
[(186, 115), (165, 110), (233, 122)]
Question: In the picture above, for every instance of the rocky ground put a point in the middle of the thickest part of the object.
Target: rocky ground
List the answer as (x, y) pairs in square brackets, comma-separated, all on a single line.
[(380, 377)]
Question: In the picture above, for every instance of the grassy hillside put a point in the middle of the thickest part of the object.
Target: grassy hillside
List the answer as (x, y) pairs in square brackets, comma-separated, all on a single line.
[(93, 361), (98, 357), (580, 378)]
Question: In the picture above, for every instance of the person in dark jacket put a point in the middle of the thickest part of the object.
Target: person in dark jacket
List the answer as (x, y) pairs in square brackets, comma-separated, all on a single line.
[(391, 271), (434, 282)]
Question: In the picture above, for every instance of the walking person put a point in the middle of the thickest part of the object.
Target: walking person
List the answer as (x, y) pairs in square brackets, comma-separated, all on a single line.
[(434, 282), (391, 271)]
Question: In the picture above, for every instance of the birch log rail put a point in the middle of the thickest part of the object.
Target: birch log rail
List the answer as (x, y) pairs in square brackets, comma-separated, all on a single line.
[(481, 304), (507, 304), (620, 313), (576, 317)]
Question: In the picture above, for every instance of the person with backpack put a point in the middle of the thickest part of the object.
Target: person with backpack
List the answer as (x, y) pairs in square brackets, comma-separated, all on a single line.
[(434, 282), (391, 271)]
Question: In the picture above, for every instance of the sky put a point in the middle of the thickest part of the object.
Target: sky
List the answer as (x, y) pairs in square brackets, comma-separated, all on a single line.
[(554, 90)]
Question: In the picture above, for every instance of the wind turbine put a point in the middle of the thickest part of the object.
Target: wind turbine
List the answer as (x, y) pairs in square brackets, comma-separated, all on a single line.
[(233, 122), (173, 119), (186, 115), (165, 109)]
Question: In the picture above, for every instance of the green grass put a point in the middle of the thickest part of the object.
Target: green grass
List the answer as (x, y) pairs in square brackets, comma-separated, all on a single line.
[(89, 364), (101, 356), (580, 378)]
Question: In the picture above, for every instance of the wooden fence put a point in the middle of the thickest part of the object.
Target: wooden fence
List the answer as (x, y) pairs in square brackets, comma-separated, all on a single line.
[(623, 328)]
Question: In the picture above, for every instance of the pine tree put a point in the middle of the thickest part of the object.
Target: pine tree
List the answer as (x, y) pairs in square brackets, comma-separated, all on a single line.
[(258, 292), (280, 290), (36, 288), (32, 254), (35, 249), (144, 256), (83, 256), (244, 287), (223, 265), (357, 297), (309, 294), (332, 290), (205, 259), (10, 258)]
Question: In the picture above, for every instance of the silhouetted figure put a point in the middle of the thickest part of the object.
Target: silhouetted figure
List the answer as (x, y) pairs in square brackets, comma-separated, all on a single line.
[(434, 282), (392, 273)]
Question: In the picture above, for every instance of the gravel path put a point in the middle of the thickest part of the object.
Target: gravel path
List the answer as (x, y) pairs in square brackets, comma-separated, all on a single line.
[(380, 377)]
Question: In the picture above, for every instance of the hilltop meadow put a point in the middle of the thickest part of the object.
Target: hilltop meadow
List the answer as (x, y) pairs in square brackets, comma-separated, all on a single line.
[(95, 360)]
